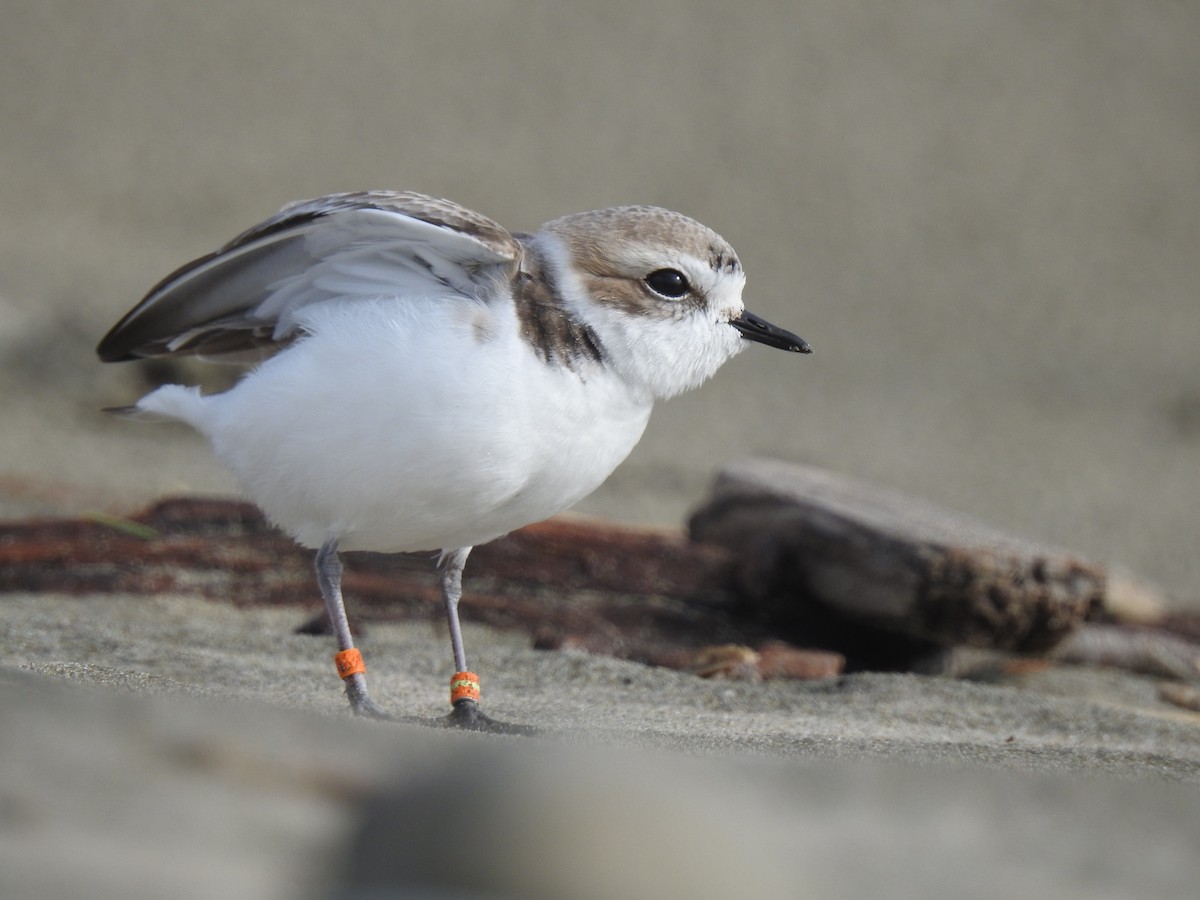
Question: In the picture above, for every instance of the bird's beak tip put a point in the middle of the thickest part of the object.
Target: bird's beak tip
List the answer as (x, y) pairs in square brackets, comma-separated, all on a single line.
[(754, 328)]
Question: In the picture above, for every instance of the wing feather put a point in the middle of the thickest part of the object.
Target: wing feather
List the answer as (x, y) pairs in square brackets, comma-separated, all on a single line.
[(246, 296)]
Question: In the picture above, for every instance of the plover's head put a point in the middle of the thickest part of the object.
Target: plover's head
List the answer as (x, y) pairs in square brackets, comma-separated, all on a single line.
[(661, 291)]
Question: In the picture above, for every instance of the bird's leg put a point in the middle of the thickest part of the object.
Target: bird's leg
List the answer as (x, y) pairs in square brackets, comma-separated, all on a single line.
[(451, 568), (348, 659), (464, 685)]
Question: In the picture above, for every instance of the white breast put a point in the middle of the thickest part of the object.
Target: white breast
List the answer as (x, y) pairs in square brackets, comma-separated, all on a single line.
[(401, 426)]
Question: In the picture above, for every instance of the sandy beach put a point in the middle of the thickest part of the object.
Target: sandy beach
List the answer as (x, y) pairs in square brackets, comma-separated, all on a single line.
[(180, 747), (984, 221)]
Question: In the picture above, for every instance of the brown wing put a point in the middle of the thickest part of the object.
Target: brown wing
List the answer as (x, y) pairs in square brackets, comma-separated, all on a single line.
[(246, 295)]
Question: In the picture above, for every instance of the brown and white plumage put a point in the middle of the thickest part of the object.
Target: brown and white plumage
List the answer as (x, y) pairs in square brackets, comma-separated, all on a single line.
[(432, 381), (245, 295)]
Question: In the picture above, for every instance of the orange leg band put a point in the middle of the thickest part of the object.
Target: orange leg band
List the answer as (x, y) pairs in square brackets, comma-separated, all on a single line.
[(464, 686), (349, 662)]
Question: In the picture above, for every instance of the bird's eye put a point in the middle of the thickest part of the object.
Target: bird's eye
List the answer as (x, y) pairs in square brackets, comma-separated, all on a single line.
[(669, 283)]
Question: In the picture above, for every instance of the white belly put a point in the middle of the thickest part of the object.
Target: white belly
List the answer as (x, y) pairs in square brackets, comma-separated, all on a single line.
[(391, 433)]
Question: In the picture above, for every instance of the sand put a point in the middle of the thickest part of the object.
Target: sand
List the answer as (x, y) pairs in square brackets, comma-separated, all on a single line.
[(983, 219), (179, 747)]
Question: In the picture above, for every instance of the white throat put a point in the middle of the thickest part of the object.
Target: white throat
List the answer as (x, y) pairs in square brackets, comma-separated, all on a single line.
[(663, 353)]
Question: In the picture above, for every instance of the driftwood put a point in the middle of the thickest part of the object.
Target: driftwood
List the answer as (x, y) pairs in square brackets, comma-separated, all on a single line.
[(1184, 695), (884, 577), (640, 594), (786, 559), (1150, 651)]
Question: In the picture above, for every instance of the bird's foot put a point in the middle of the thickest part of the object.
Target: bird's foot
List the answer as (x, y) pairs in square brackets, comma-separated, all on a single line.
[(362, 704), (468, 716)]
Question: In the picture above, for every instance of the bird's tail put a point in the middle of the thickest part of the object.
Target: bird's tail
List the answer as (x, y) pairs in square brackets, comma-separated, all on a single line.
[(171, 401)]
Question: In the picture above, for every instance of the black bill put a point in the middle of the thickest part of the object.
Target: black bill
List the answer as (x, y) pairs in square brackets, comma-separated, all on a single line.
[(755, 329)]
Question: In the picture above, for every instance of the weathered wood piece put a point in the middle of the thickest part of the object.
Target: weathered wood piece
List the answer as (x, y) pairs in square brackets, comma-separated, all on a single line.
[(1183, 695), (1150, 651), (830, 561), (742, 610), (635, 593)]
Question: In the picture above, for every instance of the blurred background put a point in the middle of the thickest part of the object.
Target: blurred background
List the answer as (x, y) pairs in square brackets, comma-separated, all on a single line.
[(985, 218)]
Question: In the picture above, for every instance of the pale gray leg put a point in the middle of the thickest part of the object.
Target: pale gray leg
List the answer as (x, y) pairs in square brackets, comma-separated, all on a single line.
[(329, 578), (466, 712), (451, 567)]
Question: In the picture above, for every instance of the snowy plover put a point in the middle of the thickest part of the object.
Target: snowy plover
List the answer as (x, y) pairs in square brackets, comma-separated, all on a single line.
[(431, 381)]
